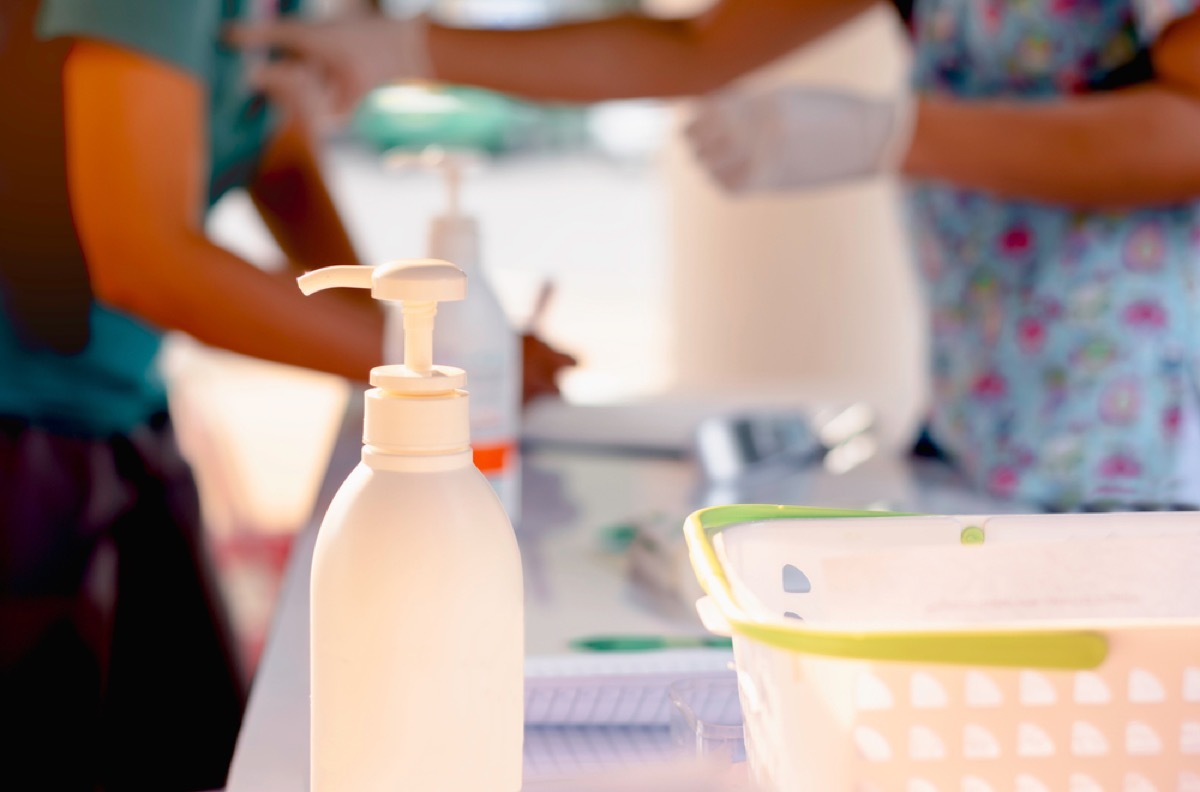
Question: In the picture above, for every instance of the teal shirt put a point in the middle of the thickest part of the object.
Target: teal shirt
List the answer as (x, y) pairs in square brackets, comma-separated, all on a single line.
[(114, 384)]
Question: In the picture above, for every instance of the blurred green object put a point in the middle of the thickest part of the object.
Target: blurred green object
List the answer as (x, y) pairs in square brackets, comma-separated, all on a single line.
[(413, 116), (617, 538), (649, 643)]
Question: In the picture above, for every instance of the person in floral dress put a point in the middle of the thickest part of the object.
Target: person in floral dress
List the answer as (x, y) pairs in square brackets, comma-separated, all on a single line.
[(1064, 334)]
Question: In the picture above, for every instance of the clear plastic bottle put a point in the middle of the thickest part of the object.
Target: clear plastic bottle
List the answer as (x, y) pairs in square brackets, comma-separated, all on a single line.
[(475, 335), (417, 625)]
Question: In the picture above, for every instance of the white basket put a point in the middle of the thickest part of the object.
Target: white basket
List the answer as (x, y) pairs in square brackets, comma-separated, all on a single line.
[(1033, 707)]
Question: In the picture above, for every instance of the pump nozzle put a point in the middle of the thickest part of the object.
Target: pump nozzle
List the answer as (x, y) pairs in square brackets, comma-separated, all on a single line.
[(417, 284), (351, 276)]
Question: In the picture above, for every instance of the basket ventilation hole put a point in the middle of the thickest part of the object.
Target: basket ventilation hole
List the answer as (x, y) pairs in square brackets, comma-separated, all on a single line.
[(1137, 783), (1087, 740), (1027, 783), (1189, 738), (1036, 690), (920, 785), (1090, 689), (872, 745), (1191, 685), (925, 745), (973, 784), (790, 615), (1144, 687), (979, 743), (1189, 782), (1140, 740), (982, 691), (1082, 783), (795, 581), (873, 694), (926, 691), (1033, 741)]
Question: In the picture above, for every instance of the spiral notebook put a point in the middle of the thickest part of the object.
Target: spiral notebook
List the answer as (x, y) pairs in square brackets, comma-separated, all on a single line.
[(587, 713), (611, 688)]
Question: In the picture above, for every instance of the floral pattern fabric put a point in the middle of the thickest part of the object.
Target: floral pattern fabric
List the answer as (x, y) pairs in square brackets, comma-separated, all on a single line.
[(1064, 341)]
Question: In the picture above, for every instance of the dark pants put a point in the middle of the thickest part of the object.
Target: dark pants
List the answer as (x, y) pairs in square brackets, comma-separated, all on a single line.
[(116, 667)]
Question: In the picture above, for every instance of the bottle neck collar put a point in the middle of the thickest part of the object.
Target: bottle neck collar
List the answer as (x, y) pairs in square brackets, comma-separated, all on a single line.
[(415, 463)]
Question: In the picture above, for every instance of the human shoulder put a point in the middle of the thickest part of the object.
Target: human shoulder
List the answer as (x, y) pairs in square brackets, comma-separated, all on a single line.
[(180, 32)]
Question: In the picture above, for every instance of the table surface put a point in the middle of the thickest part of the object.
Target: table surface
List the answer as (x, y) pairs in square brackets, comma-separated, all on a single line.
[(574, 586)]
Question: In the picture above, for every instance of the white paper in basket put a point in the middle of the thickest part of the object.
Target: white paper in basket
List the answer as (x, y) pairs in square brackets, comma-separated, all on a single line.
[(1108, 579)]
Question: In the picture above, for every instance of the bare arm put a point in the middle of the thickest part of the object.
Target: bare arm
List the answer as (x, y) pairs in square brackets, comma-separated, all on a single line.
[(1136, 146), (137, 176), (293, 200), (623, 57), (635, 56)]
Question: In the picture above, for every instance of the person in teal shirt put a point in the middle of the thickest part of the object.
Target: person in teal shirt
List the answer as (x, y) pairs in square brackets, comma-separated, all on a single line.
[(124, 121)]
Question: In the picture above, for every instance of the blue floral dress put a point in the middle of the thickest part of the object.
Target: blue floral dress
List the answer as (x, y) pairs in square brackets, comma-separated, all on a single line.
[(1064, 341)]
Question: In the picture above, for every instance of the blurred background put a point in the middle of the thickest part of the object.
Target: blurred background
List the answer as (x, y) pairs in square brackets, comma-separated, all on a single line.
[(663, 288)]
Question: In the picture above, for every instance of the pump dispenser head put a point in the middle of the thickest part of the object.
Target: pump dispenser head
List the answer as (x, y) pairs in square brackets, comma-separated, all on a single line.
[(417, 407)]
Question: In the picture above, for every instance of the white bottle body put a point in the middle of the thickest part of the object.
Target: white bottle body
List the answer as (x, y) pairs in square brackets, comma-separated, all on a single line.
[(417, 638)]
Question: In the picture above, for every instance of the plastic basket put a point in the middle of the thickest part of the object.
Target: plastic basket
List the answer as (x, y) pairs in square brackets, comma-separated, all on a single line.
[(1038, 707)]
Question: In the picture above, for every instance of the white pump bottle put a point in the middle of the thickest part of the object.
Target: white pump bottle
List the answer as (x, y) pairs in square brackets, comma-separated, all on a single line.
[(417, 613), (475, 335)]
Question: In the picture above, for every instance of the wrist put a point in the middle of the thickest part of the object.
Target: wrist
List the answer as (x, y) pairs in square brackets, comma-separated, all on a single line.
[(399, 51), (899, 142), (916, 162), (411, 46)]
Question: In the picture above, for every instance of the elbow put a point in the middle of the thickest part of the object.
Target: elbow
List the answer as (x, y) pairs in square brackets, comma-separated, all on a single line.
[(110, 286)]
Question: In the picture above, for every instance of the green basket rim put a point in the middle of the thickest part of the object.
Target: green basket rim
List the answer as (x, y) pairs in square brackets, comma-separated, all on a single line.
[(1043, 648)]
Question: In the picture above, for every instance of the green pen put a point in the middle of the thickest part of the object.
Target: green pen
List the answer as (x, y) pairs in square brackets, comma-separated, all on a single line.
[(649, 643)]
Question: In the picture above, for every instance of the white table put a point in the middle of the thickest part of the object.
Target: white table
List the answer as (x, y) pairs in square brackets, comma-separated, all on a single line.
[(574, 587)]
